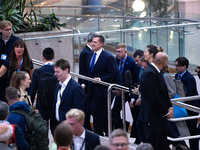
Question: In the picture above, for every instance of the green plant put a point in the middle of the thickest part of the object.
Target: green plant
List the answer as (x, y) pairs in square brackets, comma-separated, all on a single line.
[(23, 21), (50, 22), (9, 12)]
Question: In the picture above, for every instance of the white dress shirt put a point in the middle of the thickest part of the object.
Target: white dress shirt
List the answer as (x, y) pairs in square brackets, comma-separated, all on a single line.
[(60, 92)]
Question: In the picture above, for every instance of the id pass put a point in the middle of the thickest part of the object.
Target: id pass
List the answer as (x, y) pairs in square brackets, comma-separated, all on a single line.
[(3, 56)]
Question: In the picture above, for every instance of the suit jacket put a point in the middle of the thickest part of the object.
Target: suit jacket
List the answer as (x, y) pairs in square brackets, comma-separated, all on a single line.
[(189, 83), (91, 140), (83, 62), (155, 100), (106, 68), (35, 78), (130, 65), (72, 97)]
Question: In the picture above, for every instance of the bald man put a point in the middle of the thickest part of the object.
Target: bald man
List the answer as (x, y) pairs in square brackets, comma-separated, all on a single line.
[(155, 107), (6, 132)]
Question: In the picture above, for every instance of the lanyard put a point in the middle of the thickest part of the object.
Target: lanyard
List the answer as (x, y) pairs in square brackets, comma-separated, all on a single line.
[(81, 145), (20, 66)]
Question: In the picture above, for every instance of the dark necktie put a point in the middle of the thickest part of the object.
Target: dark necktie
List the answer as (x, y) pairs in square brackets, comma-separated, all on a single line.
[(93, 62), (121, 66)]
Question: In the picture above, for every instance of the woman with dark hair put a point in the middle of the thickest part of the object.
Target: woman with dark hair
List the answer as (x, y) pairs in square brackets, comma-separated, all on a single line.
[(21, 81), (19, 60), (151, 51)]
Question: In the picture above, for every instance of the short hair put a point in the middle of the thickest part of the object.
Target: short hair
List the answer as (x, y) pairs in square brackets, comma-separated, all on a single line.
[(121, 45), (6, 132), (117, 133), (17, 77), (4, 110), (144, 146), (63, 134), (101, 147), (154, 49), (91, 36), (101, 38), (139, 53), (12, 93), (4, 24), (63, 64), (143, 59), (182, 61), (48, 53), (77, 113)]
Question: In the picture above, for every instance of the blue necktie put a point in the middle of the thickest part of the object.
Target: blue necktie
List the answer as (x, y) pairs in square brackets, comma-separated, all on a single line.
[(93, 62)]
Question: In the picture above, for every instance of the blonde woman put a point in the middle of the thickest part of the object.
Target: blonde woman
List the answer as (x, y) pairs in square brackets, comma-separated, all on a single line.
[(21, 80)]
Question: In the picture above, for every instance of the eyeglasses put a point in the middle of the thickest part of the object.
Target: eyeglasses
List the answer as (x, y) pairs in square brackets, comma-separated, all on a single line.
[(119, 144), (8, 29)]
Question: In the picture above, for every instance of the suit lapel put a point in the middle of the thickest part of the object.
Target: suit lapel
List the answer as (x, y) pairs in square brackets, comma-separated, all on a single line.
[(99, 60), (67, 89)]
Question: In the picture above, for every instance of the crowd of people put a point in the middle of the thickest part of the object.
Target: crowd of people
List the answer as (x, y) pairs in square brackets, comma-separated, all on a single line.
[(65, 106)]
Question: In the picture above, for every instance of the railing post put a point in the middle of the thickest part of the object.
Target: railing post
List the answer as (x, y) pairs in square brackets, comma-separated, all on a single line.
[(123, 112), (109, 109)]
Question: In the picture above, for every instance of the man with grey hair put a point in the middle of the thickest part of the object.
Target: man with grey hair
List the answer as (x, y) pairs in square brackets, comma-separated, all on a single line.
[(4, 111), (6, 132), (119, 140), (82, 70), (83, 139), (20, 139), (83, 55), (144, 146)]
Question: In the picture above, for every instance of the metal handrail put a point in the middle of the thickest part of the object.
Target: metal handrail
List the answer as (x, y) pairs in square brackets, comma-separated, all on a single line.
[(120, 87), (116, 9), (123, 88), (114, 31)]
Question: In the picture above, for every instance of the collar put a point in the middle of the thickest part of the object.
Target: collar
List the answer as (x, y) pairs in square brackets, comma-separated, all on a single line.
[(124, 59), (89, 46), (4, 121), (22, 92), (66, 81), (82, 135), (155, 67), (48, 63), (183, 73), (98, 52)]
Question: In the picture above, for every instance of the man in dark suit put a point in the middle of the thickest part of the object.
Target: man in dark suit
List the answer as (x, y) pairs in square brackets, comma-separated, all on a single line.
[(83, 56), (45, 108), (101, 66), (83, 139), (69, 94), (155, 106), (125, 63), (7, 40), (189, 83), (83, 71)]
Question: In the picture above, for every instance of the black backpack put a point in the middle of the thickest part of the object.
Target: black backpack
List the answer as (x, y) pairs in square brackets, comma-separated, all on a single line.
[(36, 130), (46, 88)]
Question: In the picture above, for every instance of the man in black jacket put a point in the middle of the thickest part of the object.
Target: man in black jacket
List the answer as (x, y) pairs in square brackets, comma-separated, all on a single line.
[(156, 106)]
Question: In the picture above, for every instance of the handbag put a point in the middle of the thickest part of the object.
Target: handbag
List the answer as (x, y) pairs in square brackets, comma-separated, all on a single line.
[(179, 111)]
